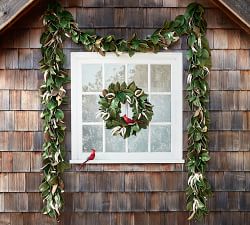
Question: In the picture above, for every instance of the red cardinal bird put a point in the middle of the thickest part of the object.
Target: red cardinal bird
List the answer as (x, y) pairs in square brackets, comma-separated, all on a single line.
[(128, 120), (90, 157)]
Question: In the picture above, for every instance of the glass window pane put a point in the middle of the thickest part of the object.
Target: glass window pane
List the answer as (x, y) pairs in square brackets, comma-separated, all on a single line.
[(162, 108), (138, 143), (90, 108), (92, 137), (138, 74), (114, 143), (160, 78), (160, 138), (91, 77), (114, 73)]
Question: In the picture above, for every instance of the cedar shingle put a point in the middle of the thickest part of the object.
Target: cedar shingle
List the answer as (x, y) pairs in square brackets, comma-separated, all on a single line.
[(33, 120), (141, 218), (245, 80), (30, 100), (36, 162), (232, 80), (35, 38), (22, 202), (15, 141), (9, 120), (221, 200), (19, 76), (71, 182), (74, 3), (3, 141), (233, 201), (110, 182), (31, 80), (213, 140), (25, 59), (226, 121), (234, 181), (4, 100), (10, 202), (244, 101), (7, 162), (87, 182), (230, 59), (17, 219), (4, 182), (68, 197), (16, 182), (215, 100), (2, 60), (244, 201), (37, 56), (93, 3), (220, 39), (234, 38), (121, 3), (244, 40), (226, 161), (243, 59), (216, 120), (120, 17), (11, 59), (157, 218), (5, 218), (21, 161), (1, 204), (28, 141), (246, 161), (21, 121), (228, 100), (217, 59), (32, 181), (155, 17), (236, 141), (23, 38), (38, 141), (34, 202), (238, 120), (215, 80), (15, 100)]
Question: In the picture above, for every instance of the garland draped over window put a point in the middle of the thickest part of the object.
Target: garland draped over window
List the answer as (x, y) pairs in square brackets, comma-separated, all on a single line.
[(59, 25)]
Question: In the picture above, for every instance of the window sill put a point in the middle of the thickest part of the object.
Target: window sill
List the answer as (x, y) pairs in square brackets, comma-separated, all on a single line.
[(121, 161)]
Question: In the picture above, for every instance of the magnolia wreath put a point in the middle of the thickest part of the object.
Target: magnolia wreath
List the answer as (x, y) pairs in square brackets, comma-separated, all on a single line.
[(110, 109)]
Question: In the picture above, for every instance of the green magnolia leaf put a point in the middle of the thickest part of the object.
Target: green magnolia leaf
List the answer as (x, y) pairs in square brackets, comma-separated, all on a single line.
[(59, 114)]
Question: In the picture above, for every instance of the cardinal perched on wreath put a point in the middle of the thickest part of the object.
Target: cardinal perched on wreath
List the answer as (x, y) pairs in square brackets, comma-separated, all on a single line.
[(110, 109)]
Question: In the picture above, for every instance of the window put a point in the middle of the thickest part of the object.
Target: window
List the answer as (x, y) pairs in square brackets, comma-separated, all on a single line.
[(159, 75)]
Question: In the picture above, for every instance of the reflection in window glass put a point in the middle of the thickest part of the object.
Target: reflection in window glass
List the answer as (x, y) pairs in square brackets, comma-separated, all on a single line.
[(138, 143), (92, 137), (114, 143), (91, 77), (160, 138), (162, 108), (114, 73), (160, 78), (138, 74), (90, 108)]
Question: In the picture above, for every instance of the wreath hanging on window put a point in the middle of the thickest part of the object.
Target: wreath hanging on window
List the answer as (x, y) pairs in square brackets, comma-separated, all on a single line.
[(110, 109)]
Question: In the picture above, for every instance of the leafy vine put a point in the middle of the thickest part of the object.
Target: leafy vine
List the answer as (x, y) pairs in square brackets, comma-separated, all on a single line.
[(59, 25)]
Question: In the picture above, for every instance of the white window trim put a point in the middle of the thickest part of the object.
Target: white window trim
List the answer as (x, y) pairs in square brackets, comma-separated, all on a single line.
[(176, 154)]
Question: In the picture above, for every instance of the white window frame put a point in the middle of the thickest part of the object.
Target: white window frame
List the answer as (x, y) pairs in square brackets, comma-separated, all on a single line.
[(171, 58)]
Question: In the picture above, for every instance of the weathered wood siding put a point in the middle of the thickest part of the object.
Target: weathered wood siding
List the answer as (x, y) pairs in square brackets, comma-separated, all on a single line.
[(125, 194)]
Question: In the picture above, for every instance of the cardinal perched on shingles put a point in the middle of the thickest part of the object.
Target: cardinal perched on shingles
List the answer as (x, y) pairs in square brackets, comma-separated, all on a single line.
[(90, 157)]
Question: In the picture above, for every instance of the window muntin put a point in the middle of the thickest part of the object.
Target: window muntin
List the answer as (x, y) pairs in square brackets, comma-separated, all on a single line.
[(160, 75)]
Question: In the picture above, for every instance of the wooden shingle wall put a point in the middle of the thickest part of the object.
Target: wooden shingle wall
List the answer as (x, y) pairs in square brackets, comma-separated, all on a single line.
[(124, 194)]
